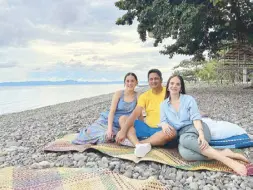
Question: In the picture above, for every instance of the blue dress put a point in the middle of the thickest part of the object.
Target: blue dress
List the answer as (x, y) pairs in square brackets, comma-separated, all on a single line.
[(96, 132)]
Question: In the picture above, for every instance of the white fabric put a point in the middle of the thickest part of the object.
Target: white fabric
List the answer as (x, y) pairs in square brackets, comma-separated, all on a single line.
[(126, 142), (223, 129)]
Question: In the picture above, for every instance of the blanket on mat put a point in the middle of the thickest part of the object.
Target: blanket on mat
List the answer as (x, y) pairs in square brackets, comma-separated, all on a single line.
[(71, 179), (239, 141), (165, 156)]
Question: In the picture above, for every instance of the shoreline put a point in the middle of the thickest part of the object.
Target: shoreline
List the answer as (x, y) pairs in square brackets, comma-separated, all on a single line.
[(190, 86), (57, 104), (50, 104), (24, 134)]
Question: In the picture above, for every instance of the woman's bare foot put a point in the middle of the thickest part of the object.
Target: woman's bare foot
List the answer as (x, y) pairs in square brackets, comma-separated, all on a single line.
[(229, 153), (239, 168), (236, 166)]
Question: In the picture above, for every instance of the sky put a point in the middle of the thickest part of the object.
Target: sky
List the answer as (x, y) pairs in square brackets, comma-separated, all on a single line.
[(73, 40)]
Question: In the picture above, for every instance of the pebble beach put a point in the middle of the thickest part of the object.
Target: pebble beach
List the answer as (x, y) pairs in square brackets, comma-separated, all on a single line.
[(23, 136)]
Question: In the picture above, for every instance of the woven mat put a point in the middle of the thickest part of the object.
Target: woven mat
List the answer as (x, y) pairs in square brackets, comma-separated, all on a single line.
[(71, 179), (170, 157)]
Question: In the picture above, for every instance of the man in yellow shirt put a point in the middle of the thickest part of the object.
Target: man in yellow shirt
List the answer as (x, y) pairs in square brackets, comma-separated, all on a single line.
[(150, 131)]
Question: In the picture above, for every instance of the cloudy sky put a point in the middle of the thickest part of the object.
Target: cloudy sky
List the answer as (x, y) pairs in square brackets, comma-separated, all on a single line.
[(72, 39)]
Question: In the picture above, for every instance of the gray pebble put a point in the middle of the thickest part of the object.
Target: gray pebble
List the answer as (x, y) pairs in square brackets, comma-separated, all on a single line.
[(80, 163), (78, 157), (128, 174), (2, 159), (91, 164), (193, 186), (206, 187), (135, 175)]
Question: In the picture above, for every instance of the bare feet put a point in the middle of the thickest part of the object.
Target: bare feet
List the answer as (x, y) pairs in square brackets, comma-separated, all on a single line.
[(236, 166), (237, 156), (240, 169)]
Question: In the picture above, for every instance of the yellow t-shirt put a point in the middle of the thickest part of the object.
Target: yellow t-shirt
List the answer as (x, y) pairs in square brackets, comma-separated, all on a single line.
[(151, 103)]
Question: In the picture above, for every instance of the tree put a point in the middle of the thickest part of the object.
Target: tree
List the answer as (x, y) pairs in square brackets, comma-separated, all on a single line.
[(195, 25), (208, 72), (189, 68), (188, 75)]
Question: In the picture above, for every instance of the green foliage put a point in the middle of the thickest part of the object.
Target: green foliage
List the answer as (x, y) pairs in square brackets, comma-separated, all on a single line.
[(189, 64), (214, 1), (208, 72), (189, 69), (196, 25), (187, 74), (192, 70)]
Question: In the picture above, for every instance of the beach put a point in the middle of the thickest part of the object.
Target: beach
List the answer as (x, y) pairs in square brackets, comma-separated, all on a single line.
[(23, 136)]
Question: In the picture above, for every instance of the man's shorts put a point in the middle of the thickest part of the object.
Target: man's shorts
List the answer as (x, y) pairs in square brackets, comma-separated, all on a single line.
[(144, 131)]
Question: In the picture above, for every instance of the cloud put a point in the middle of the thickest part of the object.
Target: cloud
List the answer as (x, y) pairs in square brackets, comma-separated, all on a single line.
[(76, 70), (8, 64), (62, 21), (72, 39)]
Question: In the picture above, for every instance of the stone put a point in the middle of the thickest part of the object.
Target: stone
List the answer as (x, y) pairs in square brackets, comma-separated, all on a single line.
[(155, 166), (91, 164), (189, 180), (11, 149), (34, 166), (194, 186), (3, 153), (44, 164), (215, 187), (78, 157), (128, 174), (2, 159), (135, 175), (190, 174), (105, 160), (206, 187), (80, 163), (13, 143), (146, 174), (139, 169), (198, 175)]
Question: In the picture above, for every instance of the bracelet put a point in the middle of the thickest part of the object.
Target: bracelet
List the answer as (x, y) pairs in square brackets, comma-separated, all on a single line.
[(200, 130)]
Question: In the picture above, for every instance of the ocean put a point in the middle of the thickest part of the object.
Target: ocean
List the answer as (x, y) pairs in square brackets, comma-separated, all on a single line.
[(20, 98)]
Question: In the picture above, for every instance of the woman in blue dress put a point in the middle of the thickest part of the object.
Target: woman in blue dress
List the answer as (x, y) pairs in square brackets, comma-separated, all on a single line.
[(180, 111), (109, 122)]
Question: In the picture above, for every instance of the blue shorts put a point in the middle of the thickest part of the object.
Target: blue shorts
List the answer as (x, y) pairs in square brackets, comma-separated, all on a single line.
[(144, 131)]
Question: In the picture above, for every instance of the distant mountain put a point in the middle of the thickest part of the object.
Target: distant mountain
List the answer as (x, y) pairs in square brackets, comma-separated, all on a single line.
[(45, 83)]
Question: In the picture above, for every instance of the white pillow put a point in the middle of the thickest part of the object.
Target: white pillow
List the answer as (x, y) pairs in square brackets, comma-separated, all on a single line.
[(223, 129)]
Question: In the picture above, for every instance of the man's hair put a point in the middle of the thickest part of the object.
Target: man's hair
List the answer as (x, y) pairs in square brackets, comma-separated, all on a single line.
[(158, 72)]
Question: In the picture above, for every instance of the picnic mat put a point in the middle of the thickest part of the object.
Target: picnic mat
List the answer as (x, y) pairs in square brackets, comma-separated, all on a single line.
[(12, 178), (169, 157)]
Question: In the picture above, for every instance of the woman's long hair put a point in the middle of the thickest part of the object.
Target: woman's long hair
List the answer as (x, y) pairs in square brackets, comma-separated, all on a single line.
[(182, 90)]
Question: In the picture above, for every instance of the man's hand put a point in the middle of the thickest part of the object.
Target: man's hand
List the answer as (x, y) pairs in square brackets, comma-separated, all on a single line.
[(121, 135)]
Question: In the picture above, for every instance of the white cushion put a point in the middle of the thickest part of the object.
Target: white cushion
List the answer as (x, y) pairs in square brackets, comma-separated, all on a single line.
[(223, 129)]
